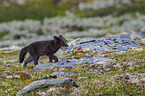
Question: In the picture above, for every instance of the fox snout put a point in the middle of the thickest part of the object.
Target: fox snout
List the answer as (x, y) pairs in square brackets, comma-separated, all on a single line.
[(65, 45)]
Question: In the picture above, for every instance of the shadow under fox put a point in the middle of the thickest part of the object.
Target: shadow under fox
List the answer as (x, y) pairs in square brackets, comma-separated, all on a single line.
[(40, 48)]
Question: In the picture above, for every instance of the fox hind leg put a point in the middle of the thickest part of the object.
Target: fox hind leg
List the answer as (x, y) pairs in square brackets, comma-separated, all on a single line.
[(36, 60), (29, 59)]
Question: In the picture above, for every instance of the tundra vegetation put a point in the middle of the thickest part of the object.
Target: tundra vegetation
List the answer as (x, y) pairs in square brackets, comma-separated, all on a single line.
[(122, 72)]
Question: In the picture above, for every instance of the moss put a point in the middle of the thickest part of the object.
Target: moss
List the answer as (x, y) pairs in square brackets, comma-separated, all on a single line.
[(36, 9), (9, 55)]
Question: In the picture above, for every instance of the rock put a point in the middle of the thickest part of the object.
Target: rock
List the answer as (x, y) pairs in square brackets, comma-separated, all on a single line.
[(57, 74), (74, 44), (47, 66), (121, 42), (71, 61), (85, 59), (109, 44), (60, 53), (81, 41), (46, 83), (66, 62)]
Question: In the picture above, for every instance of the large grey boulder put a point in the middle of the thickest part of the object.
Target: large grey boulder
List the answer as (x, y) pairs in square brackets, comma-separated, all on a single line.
[(85, 59), (46, 83), (69, 62), (121, 42), (46, 66)]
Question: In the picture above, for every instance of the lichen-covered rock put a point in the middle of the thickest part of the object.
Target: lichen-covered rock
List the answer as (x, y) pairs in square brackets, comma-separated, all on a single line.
[(85, 59), (69, 62), (47, 66), (121, 42), (46, 83)]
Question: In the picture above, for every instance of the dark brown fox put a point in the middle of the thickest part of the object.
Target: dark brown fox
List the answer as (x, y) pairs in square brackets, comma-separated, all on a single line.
[(40, 48)]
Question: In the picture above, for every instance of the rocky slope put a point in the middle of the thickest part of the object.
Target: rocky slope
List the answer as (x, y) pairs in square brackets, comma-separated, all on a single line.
[(111, 65)]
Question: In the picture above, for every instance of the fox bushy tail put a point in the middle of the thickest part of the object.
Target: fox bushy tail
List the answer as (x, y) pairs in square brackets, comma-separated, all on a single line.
[(22, 54)]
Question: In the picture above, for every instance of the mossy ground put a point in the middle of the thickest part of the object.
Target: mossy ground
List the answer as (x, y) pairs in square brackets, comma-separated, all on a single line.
[(38, 9), (92, 79), (34, 9)]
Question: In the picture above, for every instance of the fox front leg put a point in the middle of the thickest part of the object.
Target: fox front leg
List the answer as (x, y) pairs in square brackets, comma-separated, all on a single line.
[(55, 58), (51, 57)]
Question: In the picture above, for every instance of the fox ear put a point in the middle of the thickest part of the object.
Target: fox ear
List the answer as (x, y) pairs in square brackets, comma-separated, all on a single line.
[(60, 36), (56, 38)]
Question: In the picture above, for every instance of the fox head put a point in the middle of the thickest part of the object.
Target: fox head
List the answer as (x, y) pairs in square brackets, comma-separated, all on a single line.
[(61, 41)]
